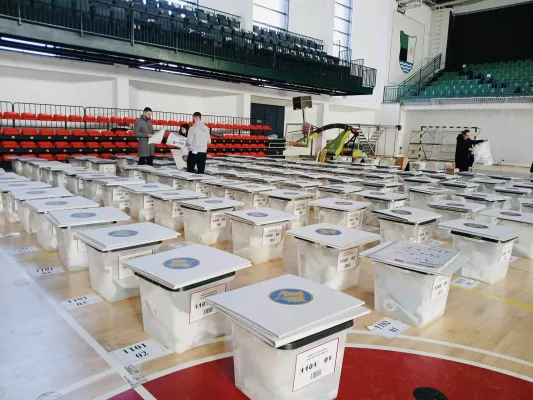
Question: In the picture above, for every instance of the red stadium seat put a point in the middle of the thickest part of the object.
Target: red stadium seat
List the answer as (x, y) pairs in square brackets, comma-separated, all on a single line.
[(122, 133), (61, 157), (45, 117), (108, 145), (108, 133), (29, 131), (102, 119), (77, 145), (28, 116), (92, 132), (129, 120), (28, 145), (75, 118), (11, 115), (45, 145), (62, 132), (9, 144), (93, 145), (8, 157), (46, 132), (60, 118), (49, 157), (133, 144), (173, 123), (116, 120), (107, 156), (78, 132), (10, 131), (62, 145), (89, 119), (94, 155)]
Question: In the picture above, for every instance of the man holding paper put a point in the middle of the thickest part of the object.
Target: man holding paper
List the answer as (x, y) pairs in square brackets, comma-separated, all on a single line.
[(197, 140), (144, 131)]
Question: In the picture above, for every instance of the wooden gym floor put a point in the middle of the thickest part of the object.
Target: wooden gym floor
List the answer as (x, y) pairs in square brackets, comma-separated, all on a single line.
[(481, 349)]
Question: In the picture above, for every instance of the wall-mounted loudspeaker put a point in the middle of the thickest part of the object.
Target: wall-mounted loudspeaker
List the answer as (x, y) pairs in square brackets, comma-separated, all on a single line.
[(302, 102)]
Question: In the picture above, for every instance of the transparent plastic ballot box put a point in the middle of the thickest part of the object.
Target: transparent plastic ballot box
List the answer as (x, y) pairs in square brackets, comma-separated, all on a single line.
[(218, 188), (372, 175), (124, 161), (339, 191), (17, 164), (175, 285), (508, 179), (489, 247), (379, 201), (79, 160), (167, 207), (290, 173), (109, 247), (421, 196), (205, 221), (104, 166), (76, 180), (291, 201), (301, 184), (25, 168), (341, 172), (402, 175), (43, 170), (33, 168), (489, 200), (513, 194), (8, 202), (418, 181), (258, 234), (251, 194), (67, 223), (193, 182), (107, 191), (10, 177), (53, 174), (87, 163), (21, 196), (412, 281), (460, 187), (406, 224), (384, 186), (468, 175), (525, 185), (135, 171), (451, 210), (526, 205), (317, 177), (346, 213), (289, 335), (443, 177), (329, 254), (141, 204), (486, 184), (276, 181), (42, 226), (418, 165), (332, 179), (523, 221), (158, 175)]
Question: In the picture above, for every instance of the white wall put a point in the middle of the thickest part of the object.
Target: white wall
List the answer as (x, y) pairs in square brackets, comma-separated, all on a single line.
[(313, 18), (508, 127)]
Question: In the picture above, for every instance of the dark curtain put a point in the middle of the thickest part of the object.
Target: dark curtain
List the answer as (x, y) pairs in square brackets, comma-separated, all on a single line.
[(273, 116), (503, 34)]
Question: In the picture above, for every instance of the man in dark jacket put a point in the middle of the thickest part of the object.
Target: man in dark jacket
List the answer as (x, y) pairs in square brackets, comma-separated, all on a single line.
[(143, 131), (463, 150)]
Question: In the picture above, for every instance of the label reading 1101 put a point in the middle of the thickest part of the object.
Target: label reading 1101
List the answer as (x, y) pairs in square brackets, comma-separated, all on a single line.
[(139, 352), (315, 364), (200, 308)]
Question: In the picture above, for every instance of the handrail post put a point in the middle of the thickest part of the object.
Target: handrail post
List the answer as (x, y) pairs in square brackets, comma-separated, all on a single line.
[(132, 30), (20, 16)]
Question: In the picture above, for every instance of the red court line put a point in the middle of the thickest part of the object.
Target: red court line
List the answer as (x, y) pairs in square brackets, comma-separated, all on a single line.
[(367, 374)]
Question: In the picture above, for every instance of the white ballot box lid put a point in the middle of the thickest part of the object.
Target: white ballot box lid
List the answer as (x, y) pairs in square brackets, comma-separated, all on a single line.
[(67, 203), (288, 194), (343, 189), (71, 218), (40, 193), (261, 216), (384, 196), (251, 187), (407, 214), (334, 236), (451, 205), (339, 204), (177, 195), (515, 216), (147, 187), (7, 187), (211, 204), (485, 231)]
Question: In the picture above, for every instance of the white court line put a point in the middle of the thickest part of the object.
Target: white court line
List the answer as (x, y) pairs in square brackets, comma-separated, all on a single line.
[(115, 364), (85, 382), (448, 344), (440, 356)]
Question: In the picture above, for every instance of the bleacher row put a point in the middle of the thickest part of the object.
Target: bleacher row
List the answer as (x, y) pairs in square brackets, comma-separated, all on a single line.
[(14, 116)]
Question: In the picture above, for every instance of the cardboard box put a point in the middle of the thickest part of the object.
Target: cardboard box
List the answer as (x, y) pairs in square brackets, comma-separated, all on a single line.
[(401, 162)]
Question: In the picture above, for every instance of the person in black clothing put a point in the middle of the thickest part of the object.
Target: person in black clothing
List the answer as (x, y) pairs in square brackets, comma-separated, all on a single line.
[(463, 150), (531, 171)]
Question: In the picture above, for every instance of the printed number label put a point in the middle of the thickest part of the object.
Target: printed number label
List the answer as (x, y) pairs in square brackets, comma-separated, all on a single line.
[(300, 207), (139, 350), (218, 220), (315, 364), (200, 308), (148, 202), (397, 204), (123, 272), (507, 250), (423, 234), (229, 194), (79, 302), (120, 195), (47, 271), (388, 327), (99, 189), (441, 285), (272, 234), (176, 184), (354, 219), (260, 201), (176, 210), (347, 259), (202, 188), (138, 175)]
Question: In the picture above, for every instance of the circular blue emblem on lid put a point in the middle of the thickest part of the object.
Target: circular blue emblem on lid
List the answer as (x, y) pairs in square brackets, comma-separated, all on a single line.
[(291, 296), (401, 212), (476, 226), (214, 201), (511, 214), (257, 214), (83, 215), (344, 203), (455, 204), (328, 232), (149, 186), (181, 263), (36, 192), (123, 233), (56, 203)]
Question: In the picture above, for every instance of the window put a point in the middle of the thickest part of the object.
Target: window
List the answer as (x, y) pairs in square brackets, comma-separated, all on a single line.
[(271, 13), (342, 28)]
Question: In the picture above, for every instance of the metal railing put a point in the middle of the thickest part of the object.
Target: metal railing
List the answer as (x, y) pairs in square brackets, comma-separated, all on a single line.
[(394, 94), (136, 25), (286, 32)]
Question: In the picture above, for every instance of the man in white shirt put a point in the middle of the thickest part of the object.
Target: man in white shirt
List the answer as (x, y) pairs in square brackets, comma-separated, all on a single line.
[(198, 138)]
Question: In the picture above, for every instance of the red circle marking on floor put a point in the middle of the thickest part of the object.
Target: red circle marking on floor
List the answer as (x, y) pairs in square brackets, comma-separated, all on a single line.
[(367, 374)]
